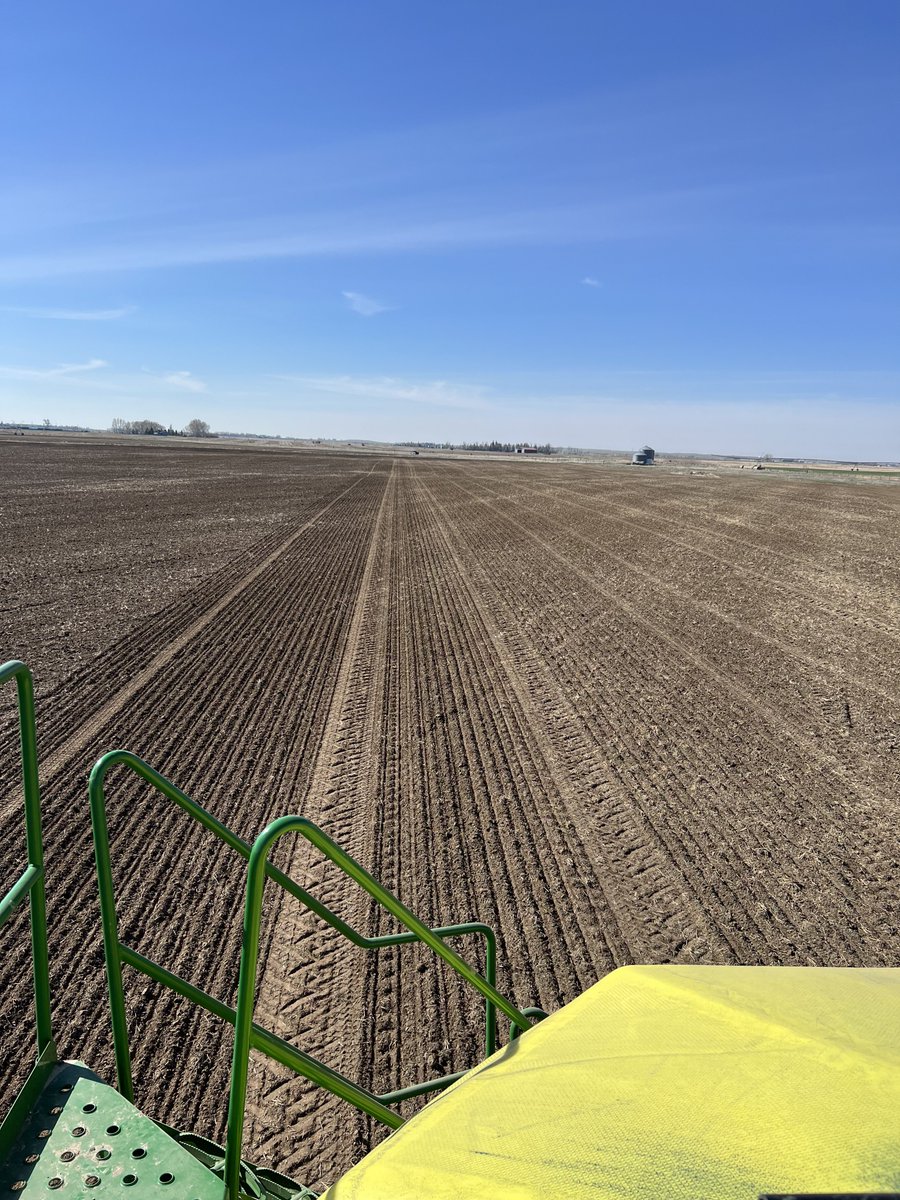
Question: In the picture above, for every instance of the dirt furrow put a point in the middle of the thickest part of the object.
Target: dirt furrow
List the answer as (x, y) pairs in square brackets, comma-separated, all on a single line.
[(650, 900), (856, 669), (654, 625), (271, 634), (305, 979), (766, 913), (618, 715), (61, 755)]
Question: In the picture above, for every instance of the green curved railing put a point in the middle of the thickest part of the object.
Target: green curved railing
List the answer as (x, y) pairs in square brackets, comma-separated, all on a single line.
[(249, 1035), (243, 1035), (31, 882)]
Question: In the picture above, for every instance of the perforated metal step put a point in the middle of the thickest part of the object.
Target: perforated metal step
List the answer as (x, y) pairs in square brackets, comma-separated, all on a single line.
[(79, 1137)]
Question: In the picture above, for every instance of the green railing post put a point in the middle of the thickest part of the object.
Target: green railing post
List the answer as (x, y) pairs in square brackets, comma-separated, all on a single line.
[(110, 926), (490, 1013), (33, 886)]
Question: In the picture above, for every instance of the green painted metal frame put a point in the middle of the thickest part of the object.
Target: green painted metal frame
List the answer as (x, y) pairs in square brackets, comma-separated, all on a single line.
[(258, 868), (31, 882), (249, 1035)]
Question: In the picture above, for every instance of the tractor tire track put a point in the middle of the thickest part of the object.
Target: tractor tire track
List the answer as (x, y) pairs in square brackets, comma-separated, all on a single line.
[(639, 885), (470, 677), (767, 917), (295, 623), (61, 755), (304, 951)]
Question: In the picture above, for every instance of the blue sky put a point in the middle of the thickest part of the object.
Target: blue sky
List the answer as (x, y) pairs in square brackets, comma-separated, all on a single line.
[(587, 223)]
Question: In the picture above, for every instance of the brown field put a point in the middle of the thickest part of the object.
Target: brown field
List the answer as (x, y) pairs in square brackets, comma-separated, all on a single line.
[(619, 714)]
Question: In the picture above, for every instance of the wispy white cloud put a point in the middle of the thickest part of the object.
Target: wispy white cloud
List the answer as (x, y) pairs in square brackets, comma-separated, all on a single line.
[(364, 305), (438, 392), (355, 233), (93, 364), (590, 281), (468, 181), (60, 371), (184, 380), (395, 161), (70, 314)]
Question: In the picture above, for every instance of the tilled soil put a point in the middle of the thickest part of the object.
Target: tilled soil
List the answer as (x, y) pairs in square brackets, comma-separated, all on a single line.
[(620, 715)]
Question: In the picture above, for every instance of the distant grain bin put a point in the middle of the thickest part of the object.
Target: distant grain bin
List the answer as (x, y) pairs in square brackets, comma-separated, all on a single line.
[(645, 457)]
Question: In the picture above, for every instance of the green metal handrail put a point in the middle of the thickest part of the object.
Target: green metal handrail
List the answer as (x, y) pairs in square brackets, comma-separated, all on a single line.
[(243, 1034), (31, 882), (257, 1038)]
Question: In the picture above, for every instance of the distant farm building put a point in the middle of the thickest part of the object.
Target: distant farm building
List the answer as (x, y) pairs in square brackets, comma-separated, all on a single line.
[(645, 457)]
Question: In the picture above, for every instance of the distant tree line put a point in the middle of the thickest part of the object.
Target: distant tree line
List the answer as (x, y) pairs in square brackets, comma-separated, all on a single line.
[(506, 447), (22, 426), (497, 447), (194, 428)]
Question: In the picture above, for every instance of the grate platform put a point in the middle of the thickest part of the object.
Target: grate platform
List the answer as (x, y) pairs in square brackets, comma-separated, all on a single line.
[(81, 1138)]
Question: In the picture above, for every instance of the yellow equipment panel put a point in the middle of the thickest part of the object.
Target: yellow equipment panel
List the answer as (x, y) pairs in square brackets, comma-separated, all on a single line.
[(670, 1082)]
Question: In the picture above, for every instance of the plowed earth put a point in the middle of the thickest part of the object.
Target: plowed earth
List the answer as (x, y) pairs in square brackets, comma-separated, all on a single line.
[(620, 715)]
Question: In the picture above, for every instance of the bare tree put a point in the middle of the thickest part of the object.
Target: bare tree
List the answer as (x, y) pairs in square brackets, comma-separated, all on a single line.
[(197, 428), (145, 426)]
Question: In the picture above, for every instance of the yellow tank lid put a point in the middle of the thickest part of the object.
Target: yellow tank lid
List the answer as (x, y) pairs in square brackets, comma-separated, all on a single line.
[(676, 1082)]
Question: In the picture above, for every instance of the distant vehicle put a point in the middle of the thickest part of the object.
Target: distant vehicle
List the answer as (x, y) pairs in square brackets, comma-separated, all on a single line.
[(645, 457)]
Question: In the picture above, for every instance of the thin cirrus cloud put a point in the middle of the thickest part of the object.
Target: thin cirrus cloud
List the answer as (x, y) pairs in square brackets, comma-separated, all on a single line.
[(61, 371), (184, 380), (590, 281), (72, 314), (438, 392), (258, 240), (365, 306)]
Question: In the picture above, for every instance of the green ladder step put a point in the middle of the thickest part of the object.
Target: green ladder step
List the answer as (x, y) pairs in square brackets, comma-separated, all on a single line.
[(79, 1137)]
